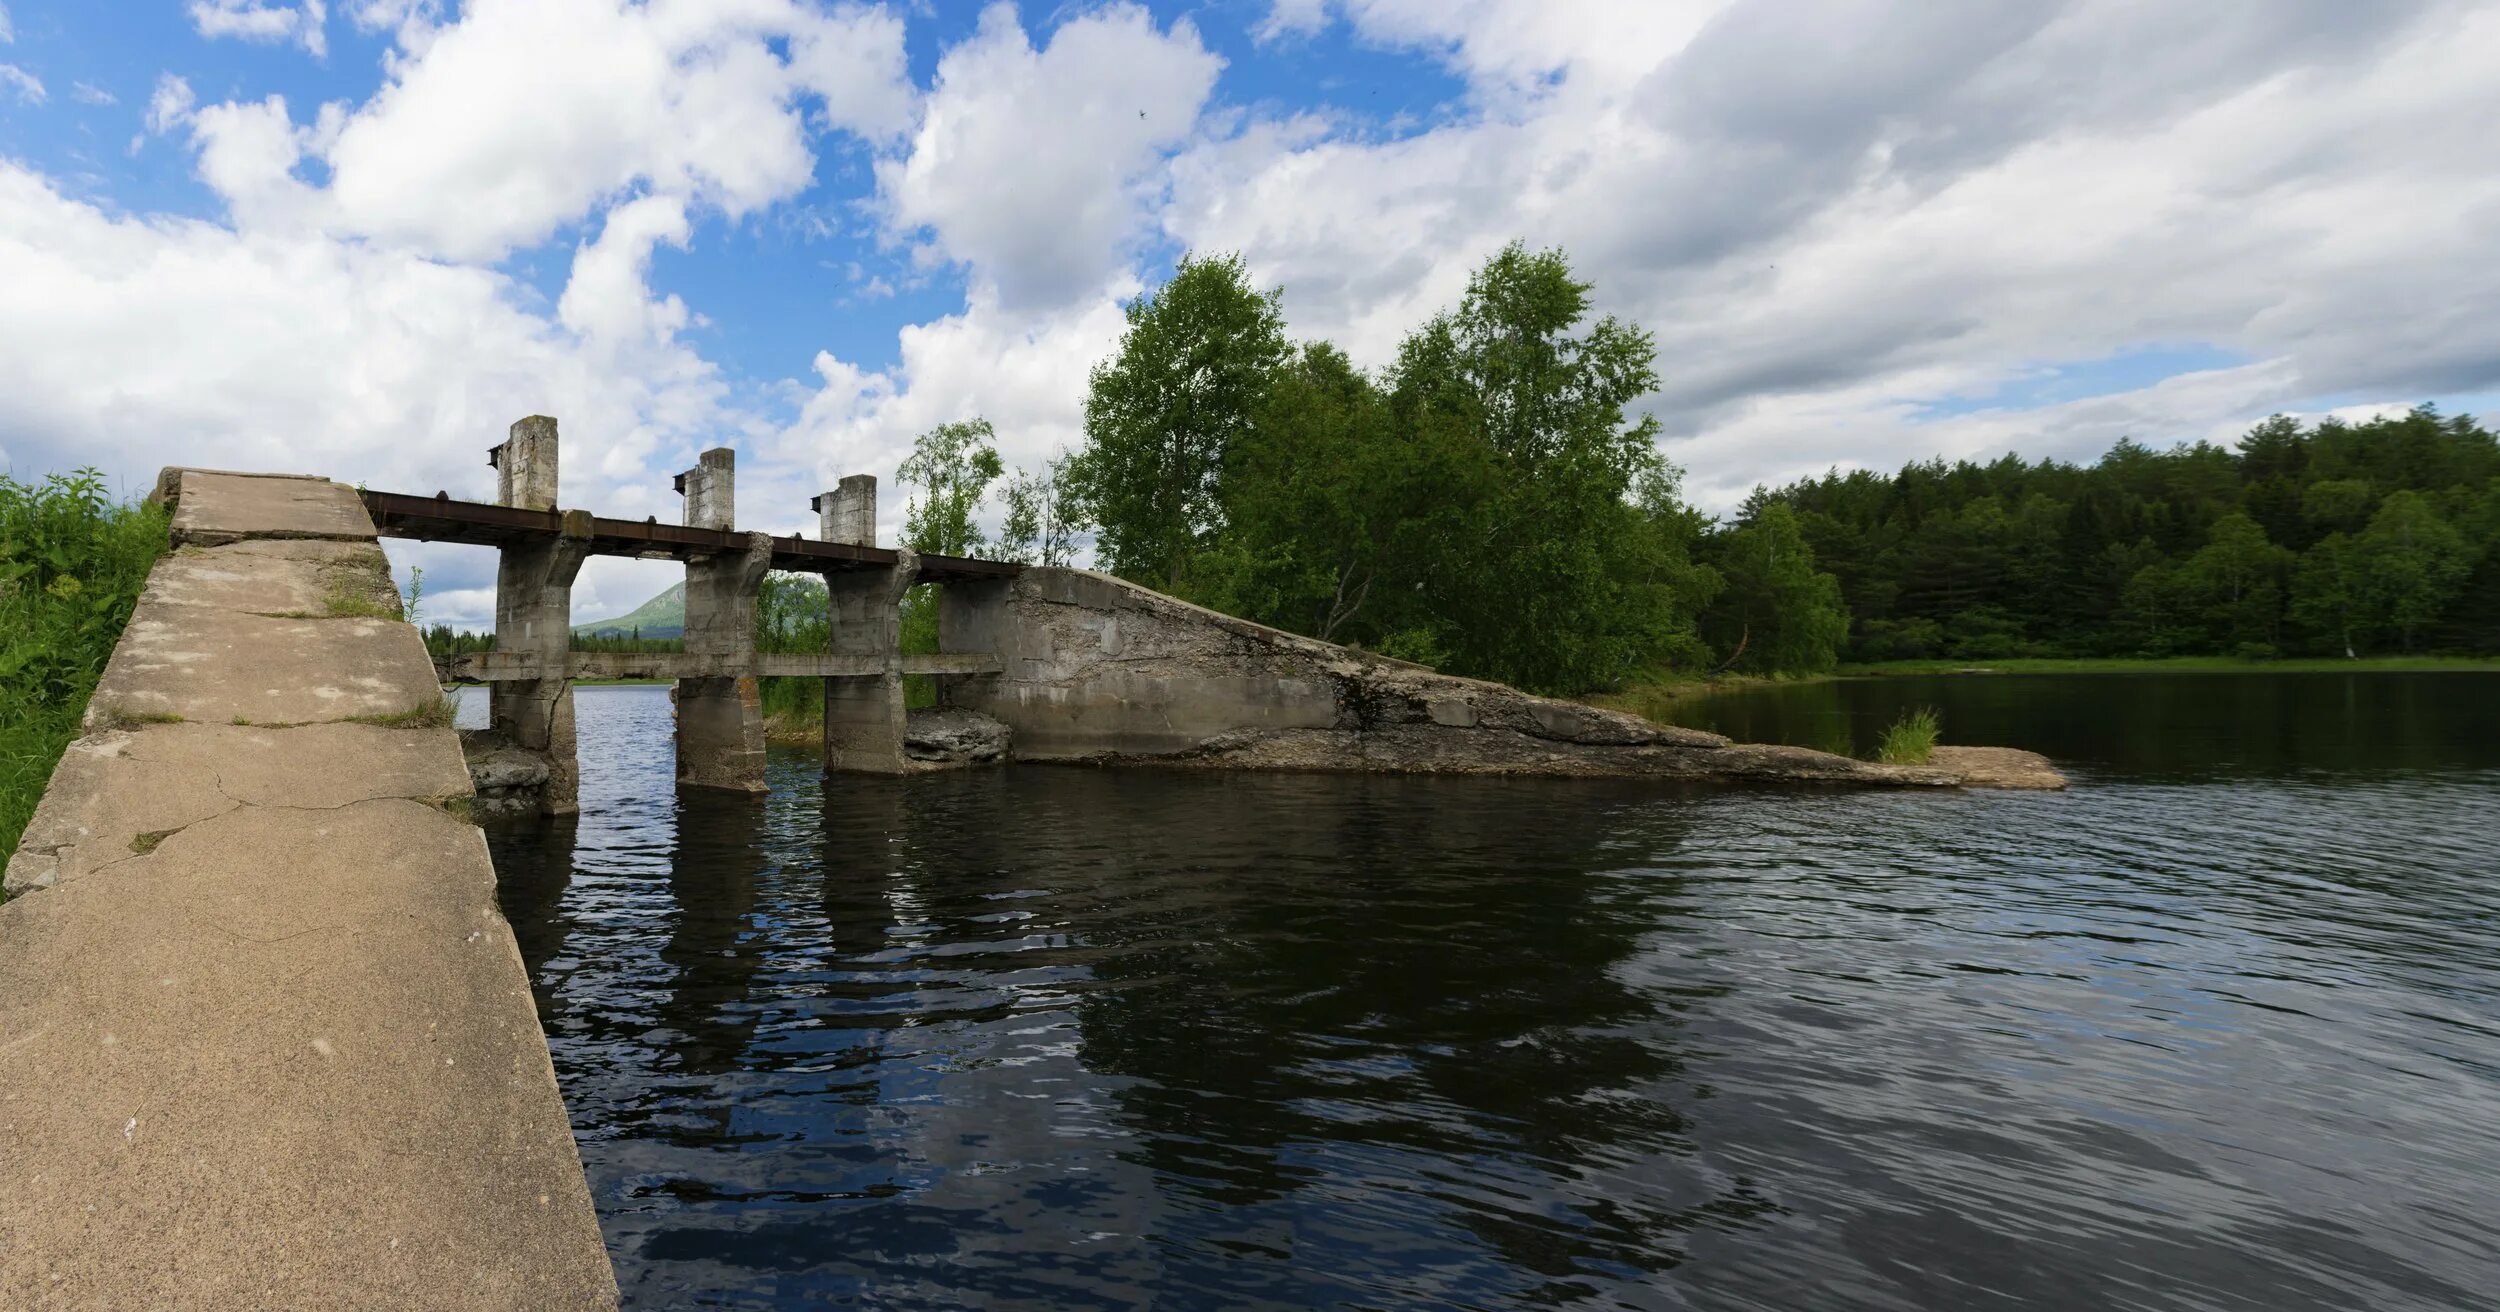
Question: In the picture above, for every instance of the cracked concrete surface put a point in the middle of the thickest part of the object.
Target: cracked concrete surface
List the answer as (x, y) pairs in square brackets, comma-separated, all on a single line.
[(265, 1039), (1098, 669)]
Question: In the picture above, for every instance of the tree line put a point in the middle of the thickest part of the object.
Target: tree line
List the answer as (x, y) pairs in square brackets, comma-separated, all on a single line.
[(1488, 503), (2326, 539)]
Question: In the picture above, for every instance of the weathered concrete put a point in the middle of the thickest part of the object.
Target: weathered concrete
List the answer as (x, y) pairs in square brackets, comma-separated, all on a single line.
[(849, 512), (720, 721), (865, 721), (265, 1040), (526, 465), (203, 645), (534, 624), (864, 717), (119, 792), (217, 508), (1098, 669), (949, 736)]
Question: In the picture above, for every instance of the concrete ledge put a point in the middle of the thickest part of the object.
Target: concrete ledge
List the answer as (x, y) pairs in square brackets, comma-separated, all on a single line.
[(213, 507), (286, 1059), (265, 1040)]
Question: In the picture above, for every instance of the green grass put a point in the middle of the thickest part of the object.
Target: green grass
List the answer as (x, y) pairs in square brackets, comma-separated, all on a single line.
[(1653, 696), (1911, 740), (72, 562), (436, 714), (2181, 665)]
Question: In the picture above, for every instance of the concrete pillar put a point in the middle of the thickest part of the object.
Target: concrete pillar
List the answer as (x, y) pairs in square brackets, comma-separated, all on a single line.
[(709, 489), (534, 613), (720, 721), (849, 512), (525, 465), (973, 617), (864, 716)]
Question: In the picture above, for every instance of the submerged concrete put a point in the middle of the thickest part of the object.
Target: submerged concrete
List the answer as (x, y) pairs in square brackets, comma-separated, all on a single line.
[(265, 1040)]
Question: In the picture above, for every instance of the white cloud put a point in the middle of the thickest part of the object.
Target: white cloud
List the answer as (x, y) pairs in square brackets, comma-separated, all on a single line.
[(304, 352), (1034, 168), (258, 20), (8, 30), (171, 104), (27, 87), (1291, 18), (87, 94), (1827, 212), (497, 129)]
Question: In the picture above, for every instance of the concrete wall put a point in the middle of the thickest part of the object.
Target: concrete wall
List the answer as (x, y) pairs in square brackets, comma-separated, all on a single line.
[(265, 1040), (1097, 669)]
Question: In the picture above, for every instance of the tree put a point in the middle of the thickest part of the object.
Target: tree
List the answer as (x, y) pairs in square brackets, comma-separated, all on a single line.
[(1160, 416), (1042, 516), (1780, 615), (2411, 562), (954, 465), (2233, 581), (1520, 414)]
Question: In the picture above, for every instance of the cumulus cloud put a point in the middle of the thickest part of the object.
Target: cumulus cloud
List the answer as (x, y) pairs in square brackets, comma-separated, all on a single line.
[(495, 130), (257, 20), (1032, 168), (1827, 211)]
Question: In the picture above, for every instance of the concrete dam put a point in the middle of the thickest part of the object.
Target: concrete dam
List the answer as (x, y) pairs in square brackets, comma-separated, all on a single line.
[(269, 1041)]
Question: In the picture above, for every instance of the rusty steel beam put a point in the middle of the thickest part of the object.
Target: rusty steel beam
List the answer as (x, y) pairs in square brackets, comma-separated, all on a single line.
[(439, 518)]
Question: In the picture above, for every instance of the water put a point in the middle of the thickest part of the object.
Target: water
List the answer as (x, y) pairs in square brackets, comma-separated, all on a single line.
[(2215, 1029)]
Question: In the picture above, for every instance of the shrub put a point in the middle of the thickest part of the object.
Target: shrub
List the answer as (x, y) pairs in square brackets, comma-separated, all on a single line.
[(72, 562)]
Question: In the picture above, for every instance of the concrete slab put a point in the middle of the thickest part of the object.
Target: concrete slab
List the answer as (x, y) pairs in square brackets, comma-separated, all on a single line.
[(287, 1059), (216, 508), (310, 578), (119, 792), (210, 665)]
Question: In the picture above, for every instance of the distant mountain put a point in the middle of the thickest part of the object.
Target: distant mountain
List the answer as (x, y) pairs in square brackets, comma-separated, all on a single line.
[(664, 616)]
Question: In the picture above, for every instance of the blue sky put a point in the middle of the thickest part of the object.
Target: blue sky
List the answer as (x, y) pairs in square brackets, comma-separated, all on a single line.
[(359, 237)]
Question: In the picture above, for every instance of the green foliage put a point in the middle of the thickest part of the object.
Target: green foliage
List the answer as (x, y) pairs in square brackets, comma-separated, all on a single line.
[(954, 465), (2310, 539), (1488, 505), (1911, 740), (1043, 517), (1160, 416), (1779, 615), (72, 563)]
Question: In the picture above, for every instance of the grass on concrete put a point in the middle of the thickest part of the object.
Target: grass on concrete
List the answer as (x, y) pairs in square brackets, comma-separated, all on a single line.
[(72, 563), (1911, 740)]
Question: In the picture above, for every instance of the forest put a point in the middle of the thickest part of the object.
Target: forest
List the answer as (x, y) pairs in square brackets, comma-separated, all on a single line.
[(1491, 504)]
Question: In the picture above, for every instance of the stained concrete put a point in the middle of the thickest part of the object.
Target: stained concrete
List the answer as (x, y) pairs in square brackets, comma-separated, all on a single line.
[(118, 791), (265, 1040), (1098, 669), (216, 508), (214, 665)]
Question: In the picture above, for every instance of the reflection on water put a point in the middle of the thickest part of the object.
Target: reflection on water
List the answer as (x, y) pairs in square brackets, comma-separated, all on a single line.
[(2185, 1037)]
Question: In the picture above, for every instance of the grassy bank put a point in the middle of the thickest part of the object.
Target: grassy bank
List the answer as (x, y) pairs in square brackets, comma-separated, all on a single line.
[(72, 562), (2180, 665), (1652, 697)]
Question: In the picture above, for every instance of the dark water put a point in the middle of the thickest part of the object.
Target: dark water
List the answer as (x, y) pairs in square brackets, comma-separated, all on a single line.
[(2219, 1028)]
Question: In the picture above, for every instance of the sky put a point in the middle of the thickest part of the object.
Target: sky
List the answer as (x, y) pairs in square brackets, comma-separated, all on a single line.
[(359, 238)]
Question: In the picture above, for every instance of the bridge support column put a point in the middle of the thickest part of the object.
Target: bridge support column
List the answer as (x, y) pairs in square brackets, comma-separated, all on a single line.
[(864, 715), (720, 721), (534, 614)]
